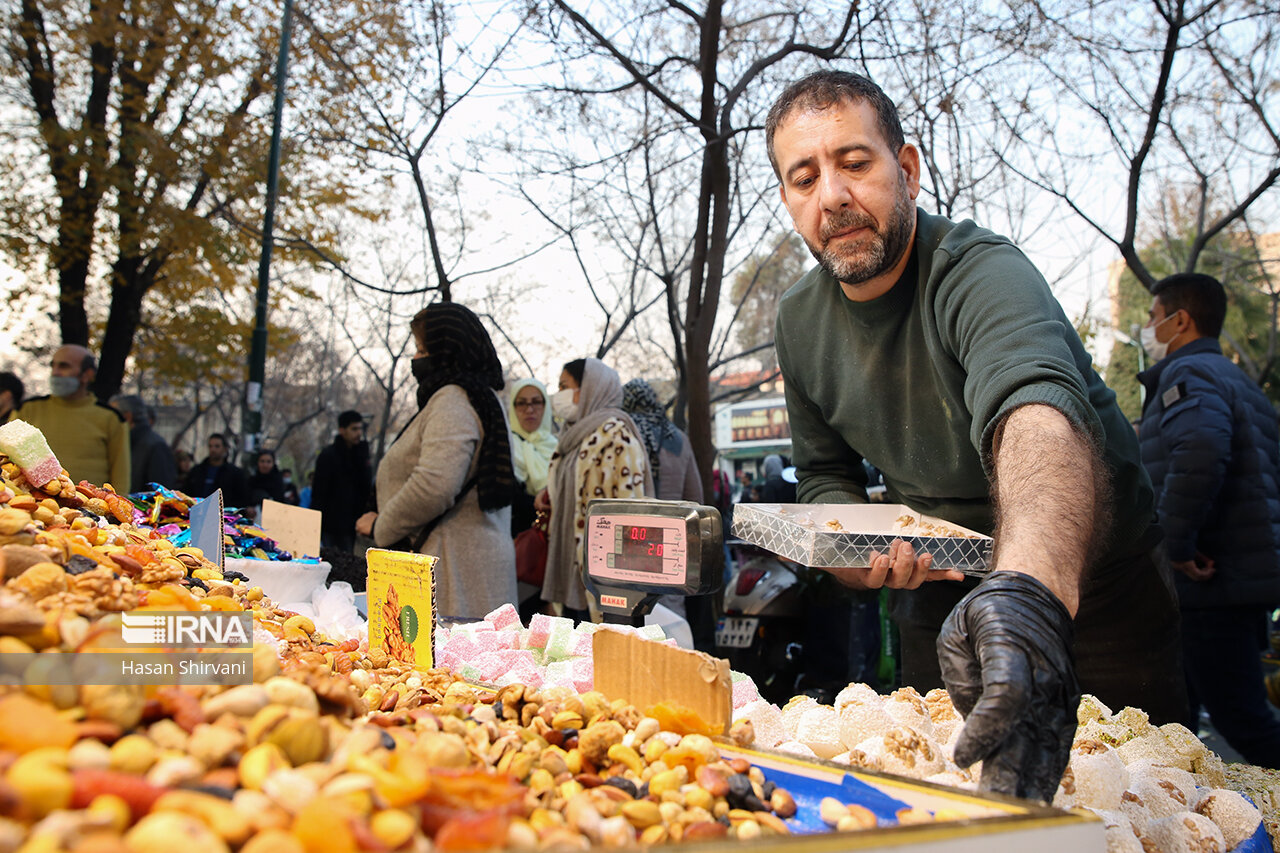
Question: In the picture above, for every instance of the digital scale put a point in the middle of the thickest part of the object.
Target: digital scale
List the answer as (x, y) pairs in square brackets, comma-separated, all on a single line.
[(638, 550)]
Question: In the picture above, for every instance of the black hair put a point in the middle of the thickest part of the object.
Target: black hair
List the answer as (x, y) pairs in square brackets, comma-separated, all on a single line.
[(1201, 296), (88, 362), (822, 90), (221, 438), (349, 417), (577, 369), (264, 452), (11, 383)]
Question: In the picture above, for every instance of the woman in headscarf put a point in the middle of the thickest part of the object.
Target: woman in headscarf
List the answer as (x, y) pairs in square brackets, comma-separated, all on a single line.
[(532, 446), (671, 461), (599, 455), (449, 471)]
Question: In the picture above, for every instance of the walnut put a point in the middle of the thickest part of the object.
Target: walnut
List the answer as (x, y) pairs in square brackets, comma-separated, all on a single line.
[(161, 573), (1068, 781), (1089, 746)]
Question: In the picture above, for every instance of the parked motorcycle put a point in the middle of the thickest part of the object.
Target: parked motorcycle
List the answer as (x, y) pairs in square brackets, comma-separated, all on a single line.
[(796, 630)]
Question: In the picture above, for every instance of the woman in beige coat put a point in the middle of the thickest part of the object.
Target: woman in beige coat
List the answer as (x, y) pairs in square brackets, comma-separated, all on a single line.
[(448, 474)]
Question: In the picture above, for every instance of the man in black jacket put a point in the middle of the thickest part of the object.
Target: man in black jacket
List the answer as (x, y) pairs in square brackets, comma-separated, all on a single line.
[(150, 456), (342, 479), (1210, 444), (217, 471)]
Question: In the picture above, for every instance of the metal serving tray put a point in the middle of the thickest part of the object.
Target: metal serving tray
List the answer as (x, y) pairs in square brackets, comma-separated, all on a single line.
[(844, 535)]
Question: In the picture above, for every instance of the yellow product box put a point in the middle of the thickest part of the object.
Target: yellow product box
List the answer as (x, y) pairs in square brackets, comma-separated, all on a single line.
[(402, 605)]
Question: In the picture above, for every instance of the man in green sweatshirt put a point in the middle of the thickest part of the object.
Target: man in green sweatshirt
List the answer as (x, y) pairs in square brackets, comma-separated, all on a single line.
[(936, 351)]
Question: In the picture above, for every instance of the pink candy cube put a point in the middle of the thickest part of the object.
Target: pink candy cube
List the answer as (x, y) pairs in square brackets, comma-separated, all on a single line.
[(583, 673), (744, 691), (505, 616)]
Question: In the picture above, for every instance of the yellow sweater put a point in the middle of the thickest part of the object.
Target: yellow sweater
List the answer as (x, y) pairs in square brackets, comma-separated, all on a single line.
[(90, 439)]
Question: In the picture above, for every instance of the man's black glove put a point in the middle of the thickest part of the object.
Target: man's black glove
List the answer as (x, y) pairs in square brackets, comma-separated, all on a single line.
[(1006, 659)]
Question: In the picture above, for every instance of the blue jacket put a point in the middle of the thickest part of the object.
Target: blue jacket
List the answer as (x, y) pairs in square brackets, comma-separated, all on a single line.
[(1210, 443)]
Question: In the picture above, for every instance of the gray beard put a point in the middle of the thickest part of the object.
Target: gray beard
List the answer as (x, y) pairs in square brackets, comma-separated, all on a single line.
[(886, 249)]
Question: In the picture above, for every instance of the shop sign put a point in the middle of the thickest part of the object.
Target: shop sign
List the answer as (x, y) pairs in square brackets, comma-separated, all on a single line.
[(759, 423)]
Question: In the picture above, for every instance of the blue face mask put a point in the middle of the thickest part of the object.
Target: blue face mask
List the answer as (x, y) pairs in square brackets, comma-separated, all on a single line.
[(63, 386)]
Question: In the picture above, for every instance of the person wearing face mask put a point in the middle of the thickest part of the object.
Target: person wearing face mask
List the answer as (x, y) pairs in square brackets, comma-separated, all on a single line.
[(599, 455), (446, 483), (1209, 441), (290, 493), (90, 439)]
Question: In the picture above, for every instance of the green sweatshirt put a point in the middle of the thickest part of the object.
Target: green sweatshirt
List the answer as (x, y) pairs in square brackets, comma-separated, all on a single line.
[(916, 380)]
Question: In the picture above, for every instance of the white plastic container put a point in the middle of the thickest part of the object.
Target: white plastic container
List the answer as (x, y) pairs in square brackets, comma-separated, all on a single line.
[(282, 581)]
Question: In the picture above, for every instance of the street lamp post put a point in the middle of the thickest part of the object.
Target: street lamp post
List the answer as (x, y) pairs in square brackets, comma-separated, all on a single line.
[(251, 417)]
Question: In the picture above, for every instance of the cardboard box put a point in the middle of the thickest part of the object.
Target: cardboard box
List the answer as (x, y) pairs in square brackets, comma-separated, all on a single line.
[(401, 589), (644, 673), (844, 535), (296, 529)]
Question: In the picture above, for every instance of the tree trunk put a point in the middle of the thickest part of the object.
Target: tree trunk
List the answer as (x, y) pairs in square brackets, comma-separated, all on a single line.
[(131, 279)]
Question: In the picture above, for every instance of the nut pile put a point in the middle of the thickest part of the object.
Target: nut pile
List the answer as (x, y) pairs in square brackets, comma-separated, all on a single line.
[(1154, 787), (333, 747)]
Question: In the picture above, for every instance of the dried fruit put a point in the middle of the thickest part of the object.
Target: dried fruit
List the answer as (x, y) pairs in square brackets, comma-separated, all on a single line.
[(27, 724)]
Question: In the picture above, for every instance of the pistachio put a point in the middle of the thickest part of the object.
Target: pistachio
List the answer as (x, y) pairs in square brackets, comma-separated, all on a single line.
[(553, 760), (133, 754), (214, 812), (286, 691), (157, 832), (214, 744), (641, 813), (304, 739), (290, 789), (666, 781), (771, 824), (259, 763), (567, 720), (257, 729), (243, 701), (656, 834)]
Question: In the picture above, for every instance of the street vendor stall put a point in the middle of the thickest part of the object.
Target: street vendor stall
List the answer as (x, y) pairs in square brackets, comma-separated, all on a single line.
[(329, 745)]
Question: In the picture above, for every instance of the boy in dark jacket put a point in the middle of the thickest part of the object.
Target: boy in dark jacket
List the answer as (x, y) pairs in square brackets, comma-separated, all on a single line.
[(1209, 441)]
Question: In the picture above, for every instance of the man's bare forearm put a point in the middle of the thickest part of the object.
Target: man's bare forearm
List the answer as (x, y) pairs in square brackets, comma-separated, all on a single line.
[(1050, 499)]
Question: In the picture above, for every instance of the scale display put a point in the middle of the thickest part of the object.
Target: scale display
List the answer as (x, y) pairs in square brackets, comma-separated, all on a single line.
[(639, 549)]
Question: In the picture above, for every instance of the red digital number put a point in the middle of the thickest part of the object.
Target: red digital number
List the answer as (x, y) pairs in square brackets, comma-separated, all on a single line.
[(655, 549), (639, 533)]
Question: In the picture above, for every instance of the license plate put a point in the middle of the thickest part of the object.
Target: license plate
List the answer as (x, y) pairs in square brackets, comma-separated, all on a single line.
[(734, 632)]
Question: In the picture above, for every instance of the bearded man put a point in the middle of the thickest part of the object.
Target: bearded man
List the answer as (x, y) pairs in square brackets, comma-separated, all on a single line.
[(935, 351)]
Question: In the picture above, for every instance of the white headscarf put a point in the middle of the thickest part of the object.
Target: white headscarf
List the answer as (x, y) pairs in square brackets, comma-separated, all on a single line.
[(531, 451)]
